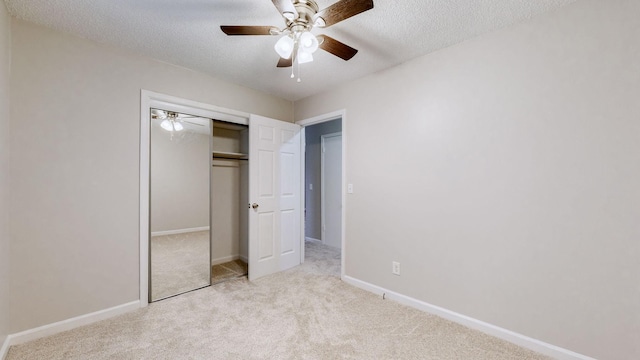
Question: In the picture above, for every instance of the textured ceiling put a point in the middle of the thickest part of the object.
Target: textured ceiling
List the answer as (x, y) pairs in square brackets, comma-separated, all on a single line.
[(187, 33)]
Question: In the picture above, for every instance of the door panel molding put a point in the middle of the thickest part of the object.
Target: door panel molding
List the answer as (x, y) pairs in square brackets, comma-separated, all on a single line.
[(274, 189)]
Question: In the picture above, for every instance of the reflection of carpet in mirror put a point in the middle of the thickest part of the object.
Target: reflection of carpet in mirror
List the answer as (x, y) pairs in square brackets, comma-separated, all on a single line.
[(228, 270), (179, 263)]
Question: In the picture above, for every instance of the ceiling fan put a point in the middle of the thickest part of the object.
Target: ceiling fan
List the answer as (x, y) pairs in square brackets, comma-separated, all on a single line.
[(301, 16), (171, 120)]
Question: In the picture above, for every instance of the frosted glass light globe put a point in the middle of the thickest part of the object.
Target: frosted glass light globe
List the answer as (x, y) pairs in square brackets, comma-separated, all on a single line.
[(284, 47)]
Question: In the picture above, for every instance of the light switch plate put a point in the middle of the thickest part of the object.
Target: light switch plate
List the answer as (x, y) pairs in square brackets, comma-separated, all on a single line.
[(349, 188)]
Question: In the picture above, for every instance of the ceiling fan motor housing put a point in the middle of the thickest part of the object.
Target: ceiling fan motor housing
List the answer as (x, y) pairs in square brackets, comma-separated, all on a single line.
[(307, 9)]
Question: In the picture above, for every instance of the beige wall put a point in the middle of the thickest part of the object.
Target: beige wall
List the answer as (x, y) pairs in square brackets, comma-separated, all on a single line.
[(179, 179), (5, 68), (503, 174), (75, 168)]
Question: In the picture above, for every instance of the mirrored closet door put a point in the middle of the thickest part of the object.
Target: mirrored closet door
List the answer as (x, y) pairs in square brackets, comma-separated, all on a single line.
[(180, 178)]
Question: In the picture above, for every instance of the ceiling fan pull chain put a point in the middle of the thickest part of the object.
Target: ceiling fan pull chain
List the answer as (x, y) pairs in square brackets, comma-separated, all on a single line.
[(298, 62)]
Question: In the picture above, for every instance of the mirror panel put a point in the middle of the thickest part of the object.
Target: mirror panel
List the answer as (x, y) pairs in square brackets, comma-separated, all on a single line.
[(180, 172)]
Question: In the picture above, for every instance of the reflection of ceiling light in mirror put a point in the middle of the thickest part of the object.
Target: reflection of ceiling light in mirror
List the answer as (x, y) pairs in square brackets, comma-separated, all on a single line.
[(171, 125), (158, 113), (166, 124)]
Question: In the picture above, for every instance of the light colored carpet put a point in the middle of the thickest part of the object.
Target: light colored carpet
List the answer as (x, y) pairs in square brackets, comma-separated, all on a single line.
[(303, 313), (179, 263), (227, 271)]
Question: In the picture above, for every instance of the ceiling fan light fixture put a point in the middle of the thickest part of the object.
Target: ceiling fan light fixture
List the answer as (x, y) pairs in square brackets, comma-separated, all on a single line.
[(304, 57), (177, 126), (284, 47), (302, 16), (308, 42)]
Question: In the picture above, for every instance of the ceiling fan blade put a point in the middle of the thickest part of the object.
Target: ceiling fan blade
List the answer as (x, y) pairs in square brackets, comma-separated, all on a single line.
[(286, 8), (341, 10), (335, 47), (285, 62), (249, 30)]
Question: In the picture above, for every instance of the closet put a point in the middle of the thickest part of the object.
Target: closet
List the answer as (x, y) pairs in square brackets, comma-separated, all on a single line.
[(198, 179), (229, 199)]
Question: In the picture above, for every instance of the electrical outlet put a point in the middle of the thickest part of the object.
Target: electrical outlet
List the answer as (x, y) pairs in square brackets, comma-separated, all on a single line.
[(395, 268)]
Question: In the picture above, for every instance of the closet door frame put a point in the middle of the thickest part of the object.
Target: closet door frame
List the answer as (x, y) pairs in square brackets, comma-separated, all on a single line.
[(149, 100)]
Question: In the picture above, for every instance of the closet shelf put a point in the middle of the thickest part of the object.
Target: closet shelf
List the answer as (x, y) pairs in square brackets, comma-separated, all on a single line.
[(229, 155)]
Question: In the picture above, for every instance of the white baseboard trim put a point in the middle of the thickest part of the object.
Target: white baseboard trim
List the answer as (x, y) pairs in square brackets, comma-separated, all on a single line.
[(5, 348), (312, 239), (64, 325), (504, 334), (244, 258), (179, 231)]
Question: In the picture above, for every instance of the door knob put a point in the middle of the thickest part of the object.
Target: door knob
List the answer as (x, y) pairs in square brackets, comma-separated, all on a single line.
[(254, 206)]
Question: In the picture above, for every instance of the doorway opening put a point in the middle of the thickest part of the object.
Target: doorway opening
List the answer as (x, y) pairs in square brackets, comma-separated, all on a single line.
[(229, 194), (324, 190), (198, 115), (274, 202), (198, 181)]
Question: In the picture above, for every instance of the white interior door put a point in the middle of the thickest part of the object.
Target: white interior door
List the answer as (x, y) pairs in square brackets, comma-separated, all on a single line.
[(331, 188), (274, 193)]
